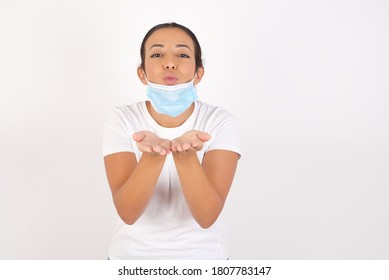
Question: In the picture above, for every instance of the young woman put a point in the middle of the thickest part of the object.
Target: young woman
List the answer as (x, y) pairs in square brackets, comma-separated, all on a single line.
[(170, 161)]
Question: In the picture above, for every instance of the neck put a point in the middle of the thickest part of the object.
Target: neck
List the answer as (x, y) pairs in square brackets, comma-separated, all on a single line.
[(167, 121)]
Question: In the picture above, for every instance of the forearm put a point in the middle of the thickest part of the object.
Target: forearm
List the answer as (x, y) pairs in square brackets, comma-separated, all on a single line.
[(204, 202), (133, 196)]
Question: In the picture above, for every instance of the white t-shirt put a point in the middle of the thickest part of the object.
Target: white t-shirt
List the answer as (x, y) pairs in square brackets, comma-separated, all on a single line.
[(166, 229)]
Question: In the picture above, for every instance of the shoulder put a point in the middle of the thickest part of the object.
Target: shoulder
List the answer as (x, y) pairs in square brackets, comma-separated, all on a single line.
[(125, 113), (221, 125), (119, 126), (212, 111), (125, 118), (214, 115), (135, 108)]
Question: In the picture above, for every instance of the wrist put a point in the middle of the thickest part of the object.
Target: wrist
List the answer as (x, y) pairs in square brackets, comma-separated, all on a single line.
[(189, 155), (155, 157)]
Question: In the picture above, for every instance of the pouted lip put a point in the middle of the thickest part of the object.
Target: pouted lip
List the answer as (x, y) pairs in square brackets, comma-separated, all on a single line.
[(170, 79)]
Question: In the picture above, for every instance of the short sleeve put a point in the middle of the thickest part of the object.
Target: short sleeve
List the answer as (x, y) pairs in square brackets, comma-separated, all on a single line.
[(225, 134), (117, 133)]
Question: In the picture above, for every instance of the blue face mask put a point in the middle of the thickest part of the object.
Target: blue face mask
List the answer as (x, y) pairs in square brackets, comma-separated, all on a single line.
[(171, 100)]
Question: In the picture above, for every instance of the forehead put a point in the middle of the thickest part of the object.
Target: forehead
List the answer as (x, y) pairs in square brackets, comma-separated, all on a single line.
[(169, 37)]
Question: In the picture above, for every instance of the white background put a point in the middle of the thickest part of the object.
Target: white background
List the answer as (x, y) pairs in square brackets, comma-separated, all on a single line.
[(307, 81)]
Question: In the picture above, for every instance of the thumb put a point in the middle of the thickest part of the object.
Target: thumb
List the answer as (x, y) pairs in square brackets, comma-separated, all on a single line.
[(203, 136), (138, 136)]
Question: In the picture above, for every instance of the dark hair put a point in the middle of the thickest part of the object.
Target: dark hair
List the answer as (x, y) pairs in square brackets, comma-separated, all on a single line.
[(197, 51)]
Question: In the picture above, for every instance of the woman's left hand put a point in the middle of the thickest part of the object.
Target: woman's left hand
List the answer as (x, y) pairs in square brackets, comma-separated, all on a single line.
[(193, 139)]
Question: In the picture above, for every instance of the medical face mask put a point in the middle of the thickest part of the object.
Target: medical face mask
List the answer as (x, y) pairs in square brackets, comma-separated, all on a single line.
[(171, 100)]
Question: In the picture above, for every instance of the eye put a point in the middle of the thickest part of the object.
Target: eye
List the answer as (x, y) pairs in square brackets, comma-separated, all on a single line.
[(182, 55), (156, 55)]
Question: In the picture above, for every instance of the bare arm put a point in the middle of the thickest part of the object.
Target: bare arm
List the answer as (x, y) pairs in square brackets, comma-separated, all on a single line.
[(205, 186), (132, 184)]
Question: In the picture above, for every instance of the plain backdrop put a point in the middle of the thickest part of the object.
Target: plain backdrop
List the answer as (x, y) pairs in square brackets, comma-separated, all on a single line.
[(308, 82)]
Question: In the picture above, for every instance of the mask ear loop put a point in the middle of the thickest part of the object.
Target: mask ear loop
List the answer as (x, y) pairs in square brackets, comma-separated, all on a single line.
[(144, 73), (194, 78)]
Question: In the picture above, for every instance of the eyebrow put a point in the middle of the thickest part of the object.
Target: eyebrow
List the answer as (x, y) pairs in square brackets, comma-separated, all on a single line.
[(177, 46)]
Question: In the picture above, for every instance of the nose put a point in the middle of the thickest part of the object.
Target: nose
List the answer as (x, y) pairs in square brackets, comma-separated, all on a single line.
[(170, 66), (170, 63)]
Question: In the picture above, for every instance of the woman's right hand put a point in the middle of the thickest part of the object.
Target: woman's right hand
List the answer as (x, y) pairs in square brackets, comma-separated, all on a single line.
[(148, 142)]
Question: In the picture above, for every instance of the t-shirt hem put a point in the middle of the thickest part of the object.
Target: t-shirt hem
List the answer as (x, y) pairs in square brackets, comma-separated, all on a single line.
[(226, 148), (116, 150)]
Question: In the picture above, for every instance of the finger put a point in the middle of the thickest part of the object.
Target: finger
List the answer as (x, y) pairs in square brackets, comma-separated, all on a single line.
[(179, 148), (167, 147), (173, 145), (138, 136), (160, 150), (157, 149), (145, 148), (186, 146), (203, 136), (198, 145)]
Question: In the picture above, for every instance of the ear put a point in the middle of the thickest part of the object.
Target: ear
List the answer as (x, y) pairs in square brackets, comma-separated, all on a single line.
[(141, 75), (199, 75)]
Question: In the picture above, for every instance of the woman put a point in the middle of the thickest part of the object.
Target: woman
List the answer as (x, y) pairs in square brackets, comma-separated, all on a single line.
[(170, 161)]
